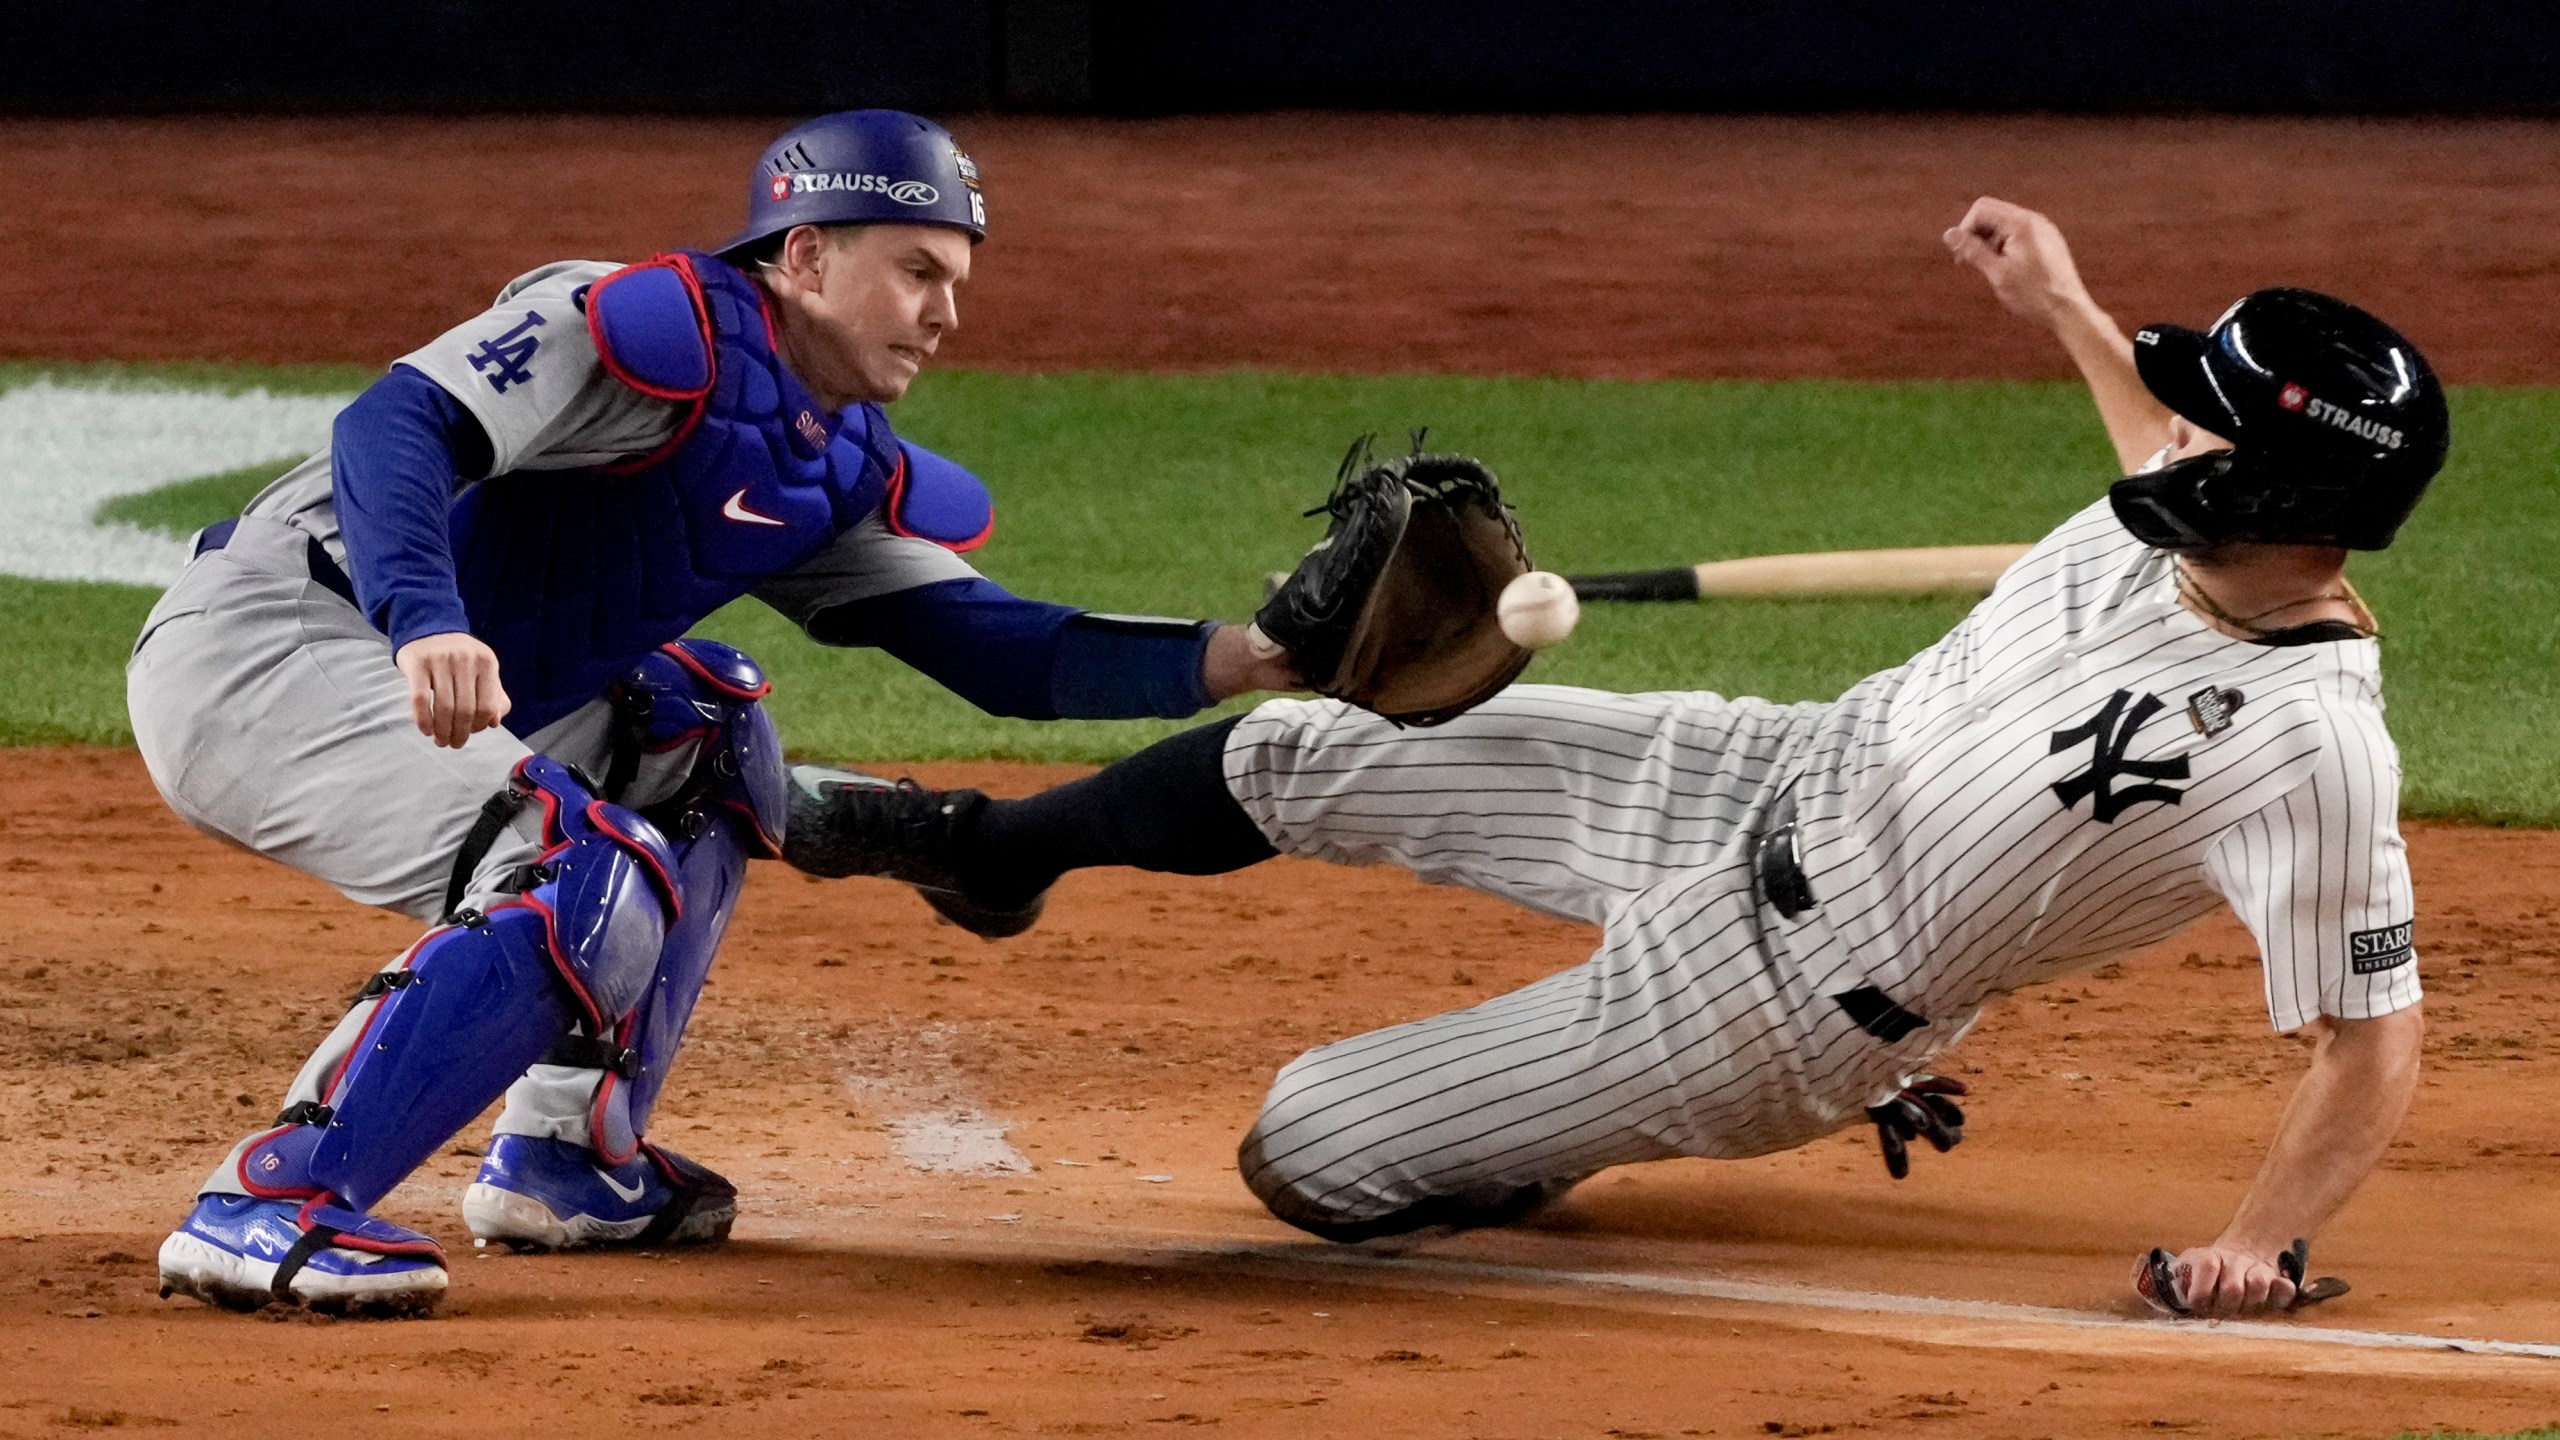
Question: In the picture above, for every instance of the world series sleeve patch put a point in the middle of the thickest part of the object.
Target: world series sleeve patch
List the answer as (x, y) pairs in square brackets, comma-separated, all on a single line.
[(2372, 951)]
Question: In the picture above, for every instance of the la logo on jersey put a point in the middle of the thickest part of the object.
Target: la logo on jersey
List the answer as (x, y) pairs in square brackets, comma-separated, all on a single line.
[(501, 360), (2108, 734)]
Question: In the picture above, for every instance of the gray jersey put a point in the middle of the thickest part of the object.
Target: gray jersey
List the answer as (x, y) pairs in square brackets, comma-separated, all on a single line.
[(563, 411), (2079, 769)]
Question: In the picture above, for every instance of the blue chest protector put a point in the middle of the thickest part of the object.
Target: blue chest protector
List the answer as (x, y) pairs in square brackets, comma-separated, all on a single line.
[(573, 575)]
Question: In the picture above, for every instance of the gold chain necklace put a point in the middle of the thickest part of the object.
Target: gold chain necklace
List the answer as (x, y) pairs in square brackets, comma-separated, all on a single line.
[(2363, 624)]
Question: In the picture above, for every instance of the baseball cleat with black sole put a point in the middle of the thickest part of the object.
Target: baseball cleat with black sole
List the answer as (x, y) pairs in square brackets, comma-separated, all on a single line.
[(845, 823)]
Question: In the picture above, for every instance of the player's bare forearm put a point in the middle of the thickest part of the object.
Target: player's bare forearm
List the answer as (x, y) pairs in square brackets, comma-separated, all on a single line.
[(2137, 425), (2336, 1126), (1230, 666)]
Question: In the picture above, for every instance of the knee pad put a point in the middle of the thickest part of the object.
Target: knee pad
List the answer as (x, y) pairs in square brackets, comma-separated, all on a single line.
[(458, 1017), (695, 702)]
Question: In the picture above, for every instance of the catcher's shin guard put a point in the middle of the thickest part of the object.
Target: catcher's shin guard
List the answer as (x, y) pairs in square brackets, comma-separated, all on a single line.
[(710, 869), (437, 1036), (691, 707)]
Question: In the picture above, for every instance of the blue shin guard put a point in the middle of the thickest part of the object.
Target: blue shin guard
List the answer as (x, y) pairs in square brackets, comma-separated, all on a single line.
[(711, 868), (473, 1003), (728, 809)]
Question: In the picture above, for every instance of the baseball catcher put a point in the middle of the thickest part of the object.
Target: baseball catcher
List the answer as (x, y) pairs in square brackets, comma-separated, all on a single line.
[(443, 667)]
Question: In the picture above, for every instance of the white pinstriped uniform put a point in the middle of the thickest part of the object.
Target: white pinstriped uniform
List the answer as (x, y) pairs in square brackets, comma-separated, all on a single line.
[(2080, 768)]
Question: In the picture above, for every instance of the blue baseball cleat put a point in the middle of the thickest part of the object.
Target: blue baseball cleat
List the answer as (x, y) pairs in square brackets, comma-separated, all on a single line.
[(243, 1253), (536, 1193)]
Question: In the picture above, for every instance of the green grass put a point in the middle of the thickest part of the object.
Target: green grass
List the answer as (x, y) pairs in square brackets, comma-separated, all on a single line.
[(1174, 495), (190, 505)]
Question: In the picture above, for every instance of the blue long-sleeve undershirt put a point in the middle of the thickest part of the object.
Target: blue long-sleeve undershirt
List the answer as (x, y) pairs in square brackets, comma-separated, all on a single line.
[(1027, 658), (398, 451), (395, 455)]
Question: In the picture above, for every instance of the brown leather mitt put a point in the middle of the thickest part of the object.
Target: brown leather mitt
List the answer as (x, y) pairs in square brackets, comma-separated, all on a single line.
[(1393, 610)]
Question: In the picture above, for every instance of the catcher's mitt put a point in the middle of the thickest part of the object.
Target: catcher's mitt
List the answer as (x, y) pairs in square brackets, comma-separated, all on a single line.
[(1393, 610)]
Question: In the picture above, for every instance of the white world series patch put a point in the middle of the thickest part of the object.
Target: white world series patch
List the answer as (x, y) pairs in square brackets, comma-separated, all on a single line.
[(2370, 952)]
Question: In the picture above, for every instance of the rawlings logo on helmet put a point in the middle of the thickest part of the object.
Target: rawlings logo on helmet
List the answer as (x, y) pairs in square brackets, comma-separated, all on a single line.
[(914, 192)]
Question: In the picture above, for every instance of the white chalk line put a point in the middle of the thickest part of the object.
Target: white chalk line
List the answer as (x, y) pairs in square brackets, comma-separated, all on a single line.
[(1880, 1302), (1366, 1267)]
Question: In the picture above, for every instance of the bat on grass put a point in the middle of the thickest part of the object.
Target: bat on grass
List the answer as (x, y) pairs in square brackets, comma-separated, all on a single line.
[(1927, 570)]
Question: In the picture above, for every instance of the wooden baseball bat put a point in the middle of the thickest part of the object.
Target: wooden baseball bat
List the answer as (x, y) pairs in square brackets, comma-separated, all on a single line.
[(1925, 570)]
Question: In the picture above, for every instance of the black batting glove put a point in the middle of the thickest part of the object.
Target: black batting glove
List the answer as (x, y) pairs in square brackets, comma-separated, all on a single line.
[(1920, 1110)]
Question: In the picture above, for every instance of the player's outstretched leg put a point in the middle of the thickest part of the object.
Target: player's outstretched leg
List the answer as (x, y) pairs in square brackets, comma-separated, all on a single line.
[(1565, 800), (430, 1042), (987, 865), (694, 752)]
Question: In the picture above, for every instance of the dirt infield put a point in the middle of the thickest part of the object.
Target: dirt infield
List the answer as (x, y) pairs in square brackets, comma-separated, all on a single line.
[(1107, 1274), (1646, 246), (159, 990)]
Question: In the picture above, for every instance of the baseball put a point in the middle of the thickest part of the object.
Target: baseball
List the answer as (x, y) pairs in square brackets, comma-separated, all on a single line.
[(1538, 609)]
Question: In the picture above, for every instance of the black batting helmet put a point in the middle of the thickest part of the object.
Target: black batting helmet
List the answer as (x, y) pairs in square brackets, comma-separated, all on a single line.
[(2335, 420)]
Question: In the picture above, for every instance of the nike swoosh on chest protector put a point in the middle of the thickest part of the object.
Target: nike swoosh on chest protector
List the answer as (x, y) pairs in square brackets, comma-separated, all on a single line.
[(736, 509)]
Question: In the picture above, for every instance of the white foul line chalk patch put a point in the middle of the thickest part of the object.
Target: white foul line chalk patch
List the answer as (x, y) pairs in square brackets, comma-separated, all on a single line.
[(956, 1142), (1877, 1302), (1371, 1269)]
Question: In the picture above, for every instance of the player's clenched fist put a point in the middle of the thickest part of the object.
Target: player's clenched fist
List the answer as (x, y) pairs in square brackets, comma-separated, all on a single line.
[(453, 687), (2226, 1280), (2022, 254)]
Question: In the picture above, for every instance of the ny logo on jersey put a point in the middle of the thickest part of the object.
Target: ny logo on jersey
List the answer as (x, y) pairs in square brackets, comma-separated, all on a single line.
[(509, 353), (2108, 733)]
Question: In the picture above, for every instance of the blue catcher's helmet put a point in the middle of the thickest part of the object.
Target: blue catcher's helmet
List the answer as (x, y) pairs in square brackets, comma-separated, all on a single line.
[(862, 167)]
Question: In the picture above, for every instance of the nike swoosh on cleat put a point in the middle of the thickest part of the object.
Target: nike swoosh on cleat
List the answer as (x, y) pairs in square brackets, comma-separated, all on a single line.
[(736, 509), (636, 1191)]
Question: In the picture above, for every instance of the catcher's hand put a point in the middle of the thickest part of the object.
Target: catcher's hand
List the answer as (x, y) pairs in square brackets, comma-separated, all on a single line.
[(1393, 610), (1921, 1110)]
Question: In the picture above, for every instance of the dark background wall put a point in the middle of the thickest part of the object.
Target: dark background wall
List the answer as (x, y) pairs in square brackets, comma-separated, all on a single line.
[(1161, 56)]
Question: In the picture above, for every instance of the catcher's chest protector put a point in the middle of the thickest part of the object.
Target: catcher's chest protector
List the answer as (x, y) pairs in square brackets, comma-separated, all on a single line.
[(572, 575)]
